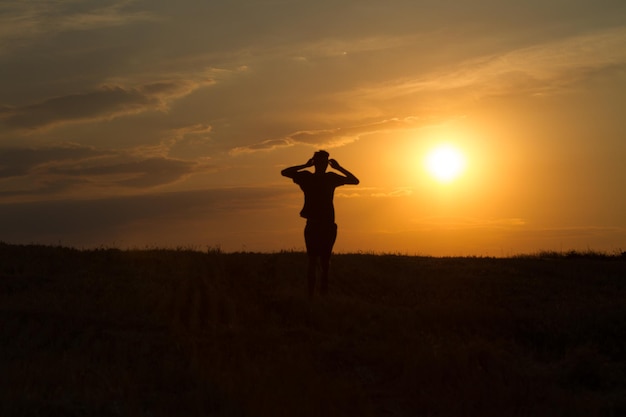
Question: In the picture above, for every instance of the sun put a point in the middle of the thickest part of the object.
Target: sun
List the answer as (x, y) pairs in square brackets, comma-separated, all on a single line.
[(445, 163)]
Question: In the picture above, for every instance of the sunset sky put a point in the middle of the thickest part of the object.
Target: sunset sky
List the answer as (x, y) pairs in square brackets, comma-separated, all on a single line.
[(166, 123)]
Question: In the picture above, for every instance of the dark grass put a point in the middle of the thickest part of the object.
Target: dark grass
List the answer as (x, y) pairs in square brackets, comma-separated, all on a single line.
[(186, 333)]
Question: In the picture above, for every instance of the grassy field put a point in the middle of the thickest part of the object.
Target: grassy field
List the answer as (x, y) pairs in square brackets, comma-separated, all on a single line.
[(188, 333)]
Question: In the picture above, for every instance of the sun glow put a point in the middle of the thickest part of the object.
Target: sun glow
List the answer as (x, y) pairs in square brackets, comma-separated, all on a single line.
[(445, 163)]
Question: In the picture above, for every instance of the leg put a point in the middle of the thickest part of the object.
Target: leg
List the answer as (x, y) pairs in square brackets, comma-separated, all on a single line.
[(311, 270), (327, 249), (310, 241), (325, 264)]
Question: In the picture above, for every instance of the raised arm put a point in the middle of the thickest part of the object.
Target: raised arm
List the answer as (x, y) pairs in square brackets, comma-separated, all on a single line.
[(350, 176), (292, 171)]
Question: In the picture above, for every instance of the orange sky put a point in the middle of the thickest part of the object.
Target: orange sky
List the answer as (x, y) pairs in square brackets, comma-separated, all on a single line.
[(153, 123)]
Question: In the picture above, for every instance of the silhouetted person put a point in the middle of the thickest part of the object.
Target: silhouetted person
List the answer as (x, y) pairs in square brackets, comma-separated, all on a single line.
[(320, 231)]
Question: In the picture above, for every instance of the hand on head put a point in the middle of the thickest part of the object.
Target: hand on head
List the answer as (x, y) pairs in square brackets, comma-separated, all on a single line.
[(333, 164)]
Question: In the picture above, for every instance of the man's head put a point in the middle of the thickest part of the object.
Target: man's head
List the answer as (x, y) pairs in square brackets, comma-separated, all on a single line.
[(320, 160)]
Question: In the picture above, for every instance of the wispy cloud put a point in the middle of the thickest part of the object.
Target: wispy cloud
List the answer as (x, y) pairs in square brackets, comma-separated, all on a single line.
[(142, 173), (537, 69), (107, 102), (332, 138), (467, 223), (184, 142), (65, 169), (22, 161), (398, 192), (374, 192)]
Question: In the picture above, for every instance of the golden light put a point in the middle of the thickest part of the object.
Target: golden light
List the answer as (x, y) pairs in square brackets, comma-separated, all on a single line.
[(445, 163)]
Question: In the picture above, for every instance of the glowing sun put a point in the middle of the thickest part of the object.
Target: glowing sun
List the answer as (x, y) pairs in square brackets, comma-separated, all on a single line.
[(445, 163)]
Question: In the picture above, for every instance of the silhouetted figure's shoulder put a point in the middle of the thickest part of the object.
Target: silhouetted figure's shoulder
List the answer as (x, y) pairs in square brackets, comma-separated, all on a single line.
[(301, 176)]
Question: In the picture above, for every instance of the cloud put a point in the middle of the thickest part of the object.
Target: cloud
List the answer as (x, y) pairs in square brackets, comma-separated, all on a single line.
[(550, 66), (186, 142), (266, 145), (541, 68), (107, 102), (190, 140), (70, 169), (22, 22), (374, 192), (332, 138), (98, 221), (468, 223), (22, 161), (136, 174), (398, 192)]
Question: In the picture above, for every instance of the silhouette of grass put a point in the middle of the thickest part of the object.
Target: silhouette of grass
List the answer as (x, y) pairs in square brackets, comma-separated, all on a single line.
[(158, 332)]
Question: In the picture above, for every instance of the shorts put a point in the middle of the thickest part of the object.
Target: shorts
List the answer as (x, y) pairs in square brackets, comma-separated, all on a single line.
[(320, 238)]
